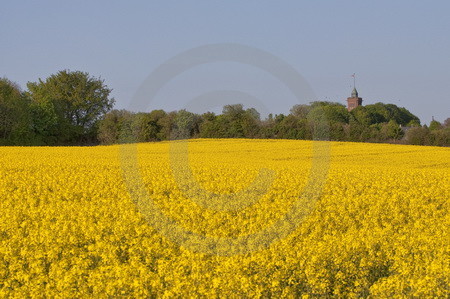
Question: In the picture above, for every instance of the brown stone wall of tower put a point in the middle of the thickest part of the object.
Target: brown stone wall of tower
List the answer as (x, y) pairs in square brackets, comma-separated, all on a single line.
[(352, 103)]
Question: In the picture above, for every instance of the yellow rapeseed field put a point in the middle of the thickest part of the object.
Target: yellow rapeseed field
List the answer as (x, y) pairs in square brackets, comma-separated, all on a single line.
[(74, 221)]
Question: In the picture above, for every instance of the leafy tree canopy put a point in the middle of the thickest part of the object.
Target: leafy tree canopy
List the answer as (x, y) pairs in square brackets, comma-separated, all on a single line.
[(73, 101)]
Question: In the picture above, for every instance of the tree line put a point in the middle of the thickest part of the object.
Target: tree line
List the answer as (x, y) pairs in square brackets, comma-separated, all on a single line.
[(74, 108)]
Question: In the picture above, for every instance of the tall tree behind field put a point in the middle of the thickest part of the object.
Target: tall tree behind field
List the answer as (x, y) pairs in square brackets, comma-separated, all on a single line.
[(234, 122), (15, 120), (115, 127), (147, 126), (70, 104), (381, 113), (186, 125), (122, 126)]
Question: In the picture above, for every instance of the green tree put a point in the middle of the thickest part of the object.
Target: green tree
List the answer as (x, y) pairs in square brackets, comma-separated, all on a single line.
[(146, 126), (391, 130), (440, 133), (208, 125), (141, 127), (332, 112), (435, 125), (167, 124), (441, 137), (235, 122), (327, 120), (382, 113), (418, 136), (45, 123), (291, 127), (362, 116), (155, 125), (75, 99), (300, 111), (115, 127), (186, 125), (15, 116)]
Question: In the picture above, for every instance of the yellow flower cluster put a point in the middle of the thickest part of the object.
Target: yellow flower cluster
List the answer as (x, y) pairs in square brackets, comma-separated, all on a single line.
[(71, 224)]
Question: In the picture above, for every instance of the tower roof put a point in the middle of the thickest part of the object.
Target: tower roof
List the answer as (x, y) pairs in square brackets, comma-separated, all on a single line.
[(354, 93)]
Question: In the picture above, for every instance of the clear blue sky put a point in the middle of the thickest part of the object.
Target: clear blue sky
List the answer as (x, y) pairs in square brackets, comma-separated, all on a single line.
[(400, 50)]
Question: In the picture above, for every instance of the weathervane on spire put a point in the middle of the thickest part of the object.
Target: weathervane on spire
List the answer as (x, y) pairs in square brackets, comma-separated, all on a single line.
[(354, 80)]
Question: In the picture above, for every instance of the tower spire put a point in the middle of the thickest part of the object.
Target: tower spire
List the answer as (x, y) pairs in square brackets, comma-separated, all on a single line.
[(354, 92), (354, 100)]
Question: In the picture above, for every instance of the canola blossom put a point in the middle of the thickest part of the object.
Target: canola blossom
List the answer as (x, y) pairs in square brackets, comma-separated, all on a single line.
[(70, 225)]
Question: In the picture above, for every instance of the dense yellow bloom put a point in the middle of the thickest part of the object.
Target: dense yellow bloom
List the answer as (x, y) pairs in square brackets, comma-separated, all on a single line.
[(69, 226)]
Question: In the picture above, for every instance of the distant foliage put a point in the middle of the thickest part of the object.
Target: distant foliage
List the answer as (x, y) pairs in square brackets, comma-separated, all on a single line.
[(73, 108), (372, 123)]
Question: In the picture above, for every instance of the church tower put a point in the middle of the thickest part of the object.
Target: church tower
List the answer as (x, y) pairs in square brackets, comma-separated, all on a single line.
[(354, 101)]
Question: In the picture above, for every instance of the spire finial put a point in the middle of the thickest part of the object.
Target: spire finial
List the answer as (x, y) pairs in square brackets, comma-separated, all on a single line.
[(354, 92)]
